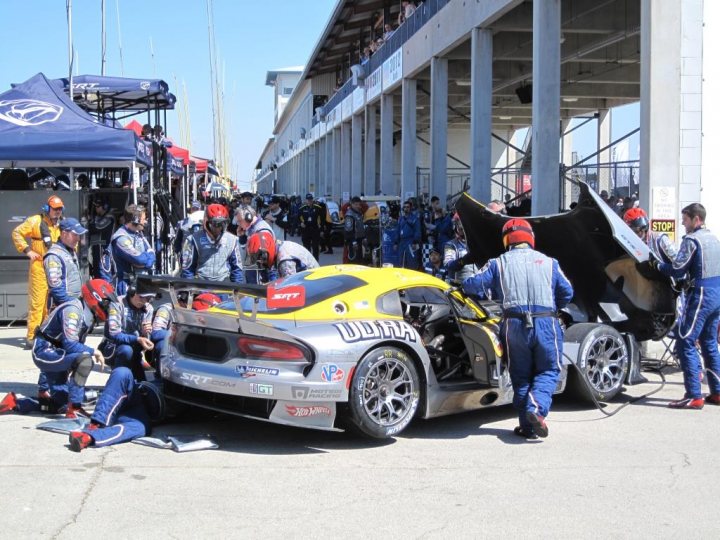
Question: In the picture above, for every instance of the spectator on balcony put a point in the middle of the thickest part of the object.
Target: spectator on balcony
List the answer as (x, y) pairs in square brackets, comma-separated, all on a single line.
[(379, 42), (365, 57), (388, 31), (407, 9)]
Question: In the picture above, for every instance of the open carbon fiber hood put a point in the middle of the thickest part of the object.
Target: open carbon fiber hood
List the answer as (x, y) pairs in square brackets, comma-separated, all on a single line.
[(597, 251)]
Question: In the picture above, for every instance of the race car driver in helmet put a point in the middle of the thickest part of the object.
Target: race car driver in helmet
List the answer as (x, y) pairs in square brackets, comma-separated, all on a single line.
[(531, 288), (213, 253), (280, 258), (65, 362)]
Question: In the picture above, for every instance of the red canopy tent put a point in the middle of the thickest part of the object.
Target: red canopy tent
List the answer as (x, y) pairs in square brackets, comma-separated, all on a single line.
[(180, 153), (135, 126)]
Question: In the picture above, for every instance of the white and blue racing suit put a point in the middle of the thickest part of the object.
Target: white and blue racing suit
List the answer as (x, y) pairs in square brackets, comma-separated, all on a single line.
[(698, 261), (531, 288)]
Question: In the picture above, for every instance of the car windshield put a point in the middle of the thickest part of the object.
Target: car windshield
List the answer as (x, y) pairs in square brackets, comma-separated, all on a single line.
[(316, 290)]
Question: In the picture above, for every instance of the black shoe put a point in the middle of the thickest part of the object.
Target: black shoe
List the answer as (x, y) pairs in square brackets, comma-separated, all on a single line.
[(538, 424), (521, 432), (329, 252)]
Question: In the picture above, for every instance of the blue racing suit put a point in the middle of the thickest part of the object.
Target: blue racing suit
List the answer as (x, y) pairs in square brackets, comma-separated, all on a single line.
[(453, 253), (124, 410), (125, 323), (409, 241), (205, 257), (698, 261), (531, 288), (63, 274), (132, 255), (63, 359)]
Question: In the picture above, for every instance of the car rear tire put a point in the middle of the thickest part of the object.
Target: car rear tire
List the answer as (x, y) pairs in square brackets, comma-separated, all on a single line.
[(385, 393), (603, 361)]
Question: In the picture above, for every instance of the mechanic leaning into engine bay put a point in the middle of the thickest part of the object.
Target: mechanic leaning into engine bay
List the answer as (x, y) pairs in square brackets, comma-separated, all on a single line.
[(279, 258), (531, 288)]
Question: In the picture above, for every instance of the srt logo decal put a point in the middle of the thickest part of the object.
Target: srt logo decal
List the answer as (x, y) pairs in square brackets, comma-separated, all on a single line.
[(302, 412), (353, 331), (332, 373), (29, 112)]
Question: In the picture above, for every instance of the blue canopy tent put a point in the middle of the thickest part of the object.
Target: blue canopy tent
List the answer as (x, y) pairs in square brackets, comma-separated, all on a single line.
[(108, 95), (41, 127)]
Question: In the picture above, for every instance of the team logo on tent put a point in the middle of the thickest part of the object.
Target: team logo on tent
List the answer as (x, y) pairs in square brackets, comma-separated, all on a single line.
[(145, 85), (29, 112)]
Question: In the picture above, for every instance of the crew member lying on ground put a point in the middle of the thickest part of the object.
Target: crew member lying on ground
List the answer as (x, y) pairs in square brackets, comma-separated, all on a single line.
[(124, 412)]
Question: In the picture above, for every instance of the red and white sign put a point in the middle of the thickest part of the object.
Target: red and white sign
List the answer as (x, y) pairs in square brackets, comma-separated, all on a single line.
[(311, 410), (286, 297)]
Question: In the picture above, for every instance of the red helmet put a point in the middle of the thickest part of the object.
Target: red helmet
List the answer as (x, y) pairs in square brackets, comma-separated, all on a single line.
[(205, 301), (457, 225), (517, 231), (97, 295), (636, 218), (216, 215), (261, 247)]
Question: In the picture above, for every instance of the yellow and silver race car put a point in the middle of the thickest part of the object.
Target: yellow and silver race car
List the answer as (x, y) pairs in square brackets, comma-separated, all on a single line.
[(336, 346), (373, 348)]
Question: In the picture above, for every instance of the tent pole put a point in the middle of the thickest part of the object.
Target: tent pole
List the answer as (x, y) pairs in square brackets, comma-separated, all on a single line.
[(151, 208), (185, 190), (134, 179)]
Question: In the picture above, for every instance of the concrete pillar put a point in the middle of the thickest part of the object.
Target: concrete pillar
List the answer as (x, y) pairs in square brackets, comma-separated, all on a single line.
[(408, 181), (569, 192), (370, 186), (387, 180), (546, 108), (336, 164), (710, 72), (604, 133), (356, 178), (345, 150), (481, 117), (665, 113), (438, 127), (320, 164)]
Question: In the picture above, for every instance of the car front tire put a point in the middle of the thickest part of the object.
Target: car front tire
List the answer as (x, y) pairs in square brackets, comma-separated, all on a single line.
[(385, 393)]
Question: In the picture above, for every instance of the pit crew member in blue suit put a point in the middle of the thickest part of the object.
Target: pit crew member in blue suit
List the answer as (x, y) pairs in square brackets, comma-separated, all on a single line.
[(409, 238), (132, 254), (123, 412), (531, 288), (59, 351), (697, 261), (213, 253)]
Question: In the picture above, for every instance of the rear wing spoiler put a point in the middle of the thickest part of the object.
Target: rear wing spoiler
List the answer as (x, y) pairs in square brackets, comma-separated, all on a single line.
[(174, 285)]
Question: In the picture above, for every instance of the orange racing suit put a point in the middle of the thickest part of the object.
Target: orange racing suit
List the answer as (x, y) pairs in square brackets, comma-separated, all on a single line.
[(31, 229)]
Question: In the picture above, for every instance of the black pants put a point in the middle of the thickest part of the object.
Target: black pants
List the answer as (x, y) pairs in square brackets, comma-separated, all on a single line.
[(311, 241)]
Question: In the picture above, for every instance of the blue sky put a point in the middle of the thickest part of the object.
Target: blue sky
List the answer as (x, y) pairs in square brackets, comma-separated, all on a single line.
[(251, 36)]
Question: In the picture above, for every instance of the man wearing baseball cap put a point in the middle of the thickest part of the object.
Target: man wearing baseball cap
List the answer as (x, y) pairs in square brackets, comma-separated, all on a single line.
[(61, 264), (42, 230)]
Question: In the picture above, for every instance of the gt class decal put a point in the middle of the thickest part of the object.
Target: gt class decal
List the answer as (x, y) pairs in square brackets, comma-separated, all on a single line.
[(352, 331), (311, 410)]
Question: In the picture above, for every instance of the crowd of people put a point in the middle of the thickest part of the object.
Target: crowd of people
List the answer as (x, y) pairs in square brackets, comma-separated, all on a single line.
[(245, 240)]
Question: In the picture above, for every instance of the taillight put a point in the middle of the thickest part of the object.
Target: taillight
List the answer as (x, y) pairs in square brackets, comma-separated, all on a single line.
[(269, 350)]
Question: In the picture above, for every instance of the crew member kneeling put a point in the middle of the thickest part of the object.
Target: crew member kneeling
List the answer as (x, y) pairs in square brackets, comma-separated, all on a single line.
[(531, 288)]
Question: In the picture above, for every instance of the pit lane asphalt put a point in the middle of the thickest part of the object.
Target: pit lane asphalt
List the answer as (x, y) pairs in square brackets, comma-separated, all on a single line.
[(648, 472)]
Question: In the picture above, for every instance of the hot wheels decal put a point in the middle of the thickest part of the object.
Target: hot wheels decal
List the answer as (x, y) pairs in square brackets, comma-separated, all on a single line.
[(313, 410)]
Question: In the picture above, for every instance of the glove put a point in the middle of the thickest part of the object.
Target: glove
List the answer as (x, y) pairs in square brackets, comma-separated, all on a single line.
[(466, 259), (648, 269)]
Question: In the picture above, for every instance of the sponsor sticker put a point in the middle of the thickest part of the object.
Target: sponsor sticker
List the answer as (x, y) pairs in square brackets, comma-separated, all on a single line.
[(331, 373), (261, 389), (286, 297), (354, 331), (312, 410), (250, 371), (305, 393)]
